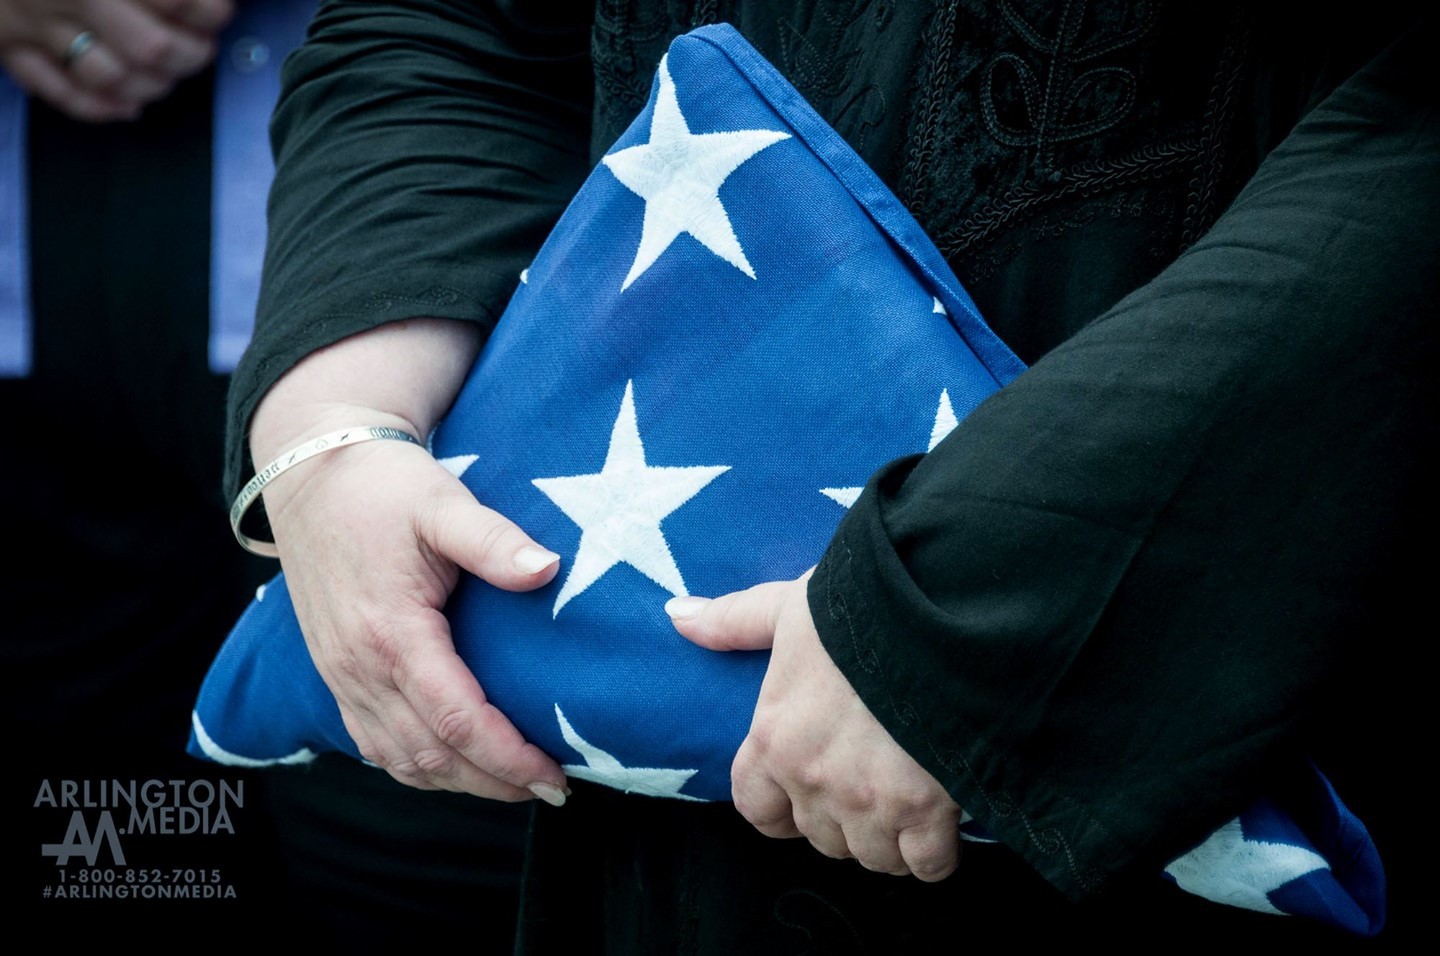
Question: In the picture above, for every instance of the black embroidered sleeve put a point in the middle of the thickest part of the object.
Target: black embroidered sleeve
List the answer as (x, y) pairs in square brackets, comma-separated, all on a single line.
[(1125, 591)]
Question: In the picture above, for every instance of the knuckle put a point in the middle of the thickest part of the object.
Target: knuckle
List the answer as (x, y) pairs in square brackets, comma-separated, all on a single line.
[(834, 852), (403, 767), (931, 856), (771, 817), (747, 761), (887, 867), (760, 814), (434, 762), (860, 798), (455, 728), (809, 777), (804, 820), (933, 869), (388, 650), (492, 539), (758, 746), (919, 806)]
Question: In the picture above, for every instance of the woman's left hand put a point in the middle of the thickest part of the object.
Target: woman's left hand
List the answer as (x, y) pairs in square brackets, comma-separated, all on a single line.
[(816, 762)]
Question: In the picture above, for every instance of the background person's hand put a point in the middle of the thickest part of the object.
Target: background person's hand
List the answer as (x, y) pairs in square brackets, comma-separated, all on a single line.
[(374, 537), (135, 52), (816, 762)]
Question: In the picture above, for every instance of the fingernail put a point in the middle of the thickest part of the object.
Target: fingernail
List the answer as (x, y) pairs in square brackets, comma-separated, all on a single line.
[(532, 560), (680, 608), (550, 794)]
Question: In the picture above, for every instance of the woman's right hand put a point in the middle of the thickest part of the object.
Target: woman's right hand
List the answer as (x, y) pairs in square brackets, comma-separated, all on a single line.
[(373, 538)]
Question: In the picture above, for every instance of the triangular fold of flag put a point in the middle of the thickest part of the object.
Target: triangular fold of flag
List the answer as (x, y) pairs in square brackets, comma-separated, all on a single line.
[(733, 324)]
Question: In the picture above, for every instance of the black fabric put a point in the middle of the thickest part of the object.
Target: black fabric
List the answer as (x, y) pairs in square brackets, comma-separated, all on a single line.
[(1194, 508), (374, 864), (1131, 589), (623, 874)]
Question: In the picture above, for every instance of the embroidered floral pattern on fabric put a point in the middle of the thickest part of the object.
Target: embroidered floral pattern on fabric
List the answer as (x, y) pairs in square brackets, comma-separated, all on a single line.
[(1035, 104), (1061, 91)]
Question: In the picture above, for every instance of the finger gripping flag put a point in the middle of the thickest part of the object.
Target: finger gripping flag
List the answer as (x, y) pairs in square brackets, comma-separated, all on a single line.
[(730, 328)]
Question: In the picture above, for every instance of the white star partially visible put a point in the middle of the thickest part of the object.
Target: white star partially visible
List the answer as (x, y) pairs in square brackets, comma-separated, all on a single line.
[(945, 420), (969, 835), (457, 465), (679, 175), (619, 509), (600, 767), (945, 423), (844, 497), (1227, 868)]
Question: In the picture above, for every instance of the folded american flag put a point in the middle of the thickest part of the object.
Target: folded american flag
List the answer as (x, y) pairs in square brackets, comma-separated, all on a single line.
[(734, 323)]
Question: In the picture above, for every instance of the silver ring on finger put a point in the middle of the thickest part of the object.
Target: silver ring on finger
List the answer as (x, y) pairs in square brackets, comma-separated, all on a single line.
[(78, 47)]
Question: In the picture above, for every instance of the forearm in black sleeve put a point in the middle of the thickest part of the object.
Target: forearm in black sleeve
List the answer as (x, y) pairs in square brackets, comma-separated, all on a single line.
[(423, 150), (1113, 597)]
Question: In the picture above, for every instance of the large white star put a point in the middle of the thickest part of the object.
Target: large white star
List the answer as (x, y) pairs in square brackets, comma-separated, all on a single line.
[(679, 175), (619, 510), (602, 767), (1227, 868), (945, 423)]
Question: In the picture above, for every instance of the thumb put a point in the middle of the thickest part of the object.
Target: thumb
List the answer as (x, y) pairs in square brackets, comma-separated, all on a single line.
[(741, 621), (486, 543)]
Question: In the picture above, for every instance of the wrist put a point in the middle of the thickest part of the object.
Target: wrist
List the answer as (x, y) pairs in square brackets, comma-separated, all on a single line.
[(400, 375), (284, 429), (258, 542)]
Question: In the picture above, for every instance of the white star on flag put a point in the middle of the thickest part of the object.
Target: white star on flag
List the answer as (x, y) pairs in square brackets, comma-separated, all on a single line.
[(945, 423), (601, 767), (620, 508), (1227, 868), (457, 465), (679, 175), (945, 420)]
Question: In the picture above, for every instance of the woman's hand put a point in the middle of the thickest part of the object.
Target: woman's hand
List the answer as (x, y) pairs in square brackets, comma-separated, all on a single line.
[(816, 762), (374, 537)]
